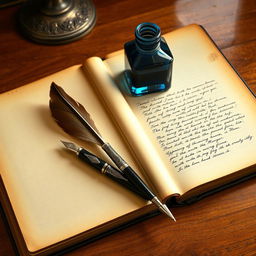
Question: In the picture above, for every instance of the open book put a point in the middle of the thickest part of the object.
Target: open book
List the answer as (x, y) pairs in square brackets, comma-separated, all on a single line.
[(184, 142)]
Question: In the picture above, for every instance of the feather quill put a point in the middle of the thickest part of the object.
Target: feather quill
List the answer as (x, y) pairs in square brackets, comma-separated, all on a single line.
[(76, 121), (72, 117)]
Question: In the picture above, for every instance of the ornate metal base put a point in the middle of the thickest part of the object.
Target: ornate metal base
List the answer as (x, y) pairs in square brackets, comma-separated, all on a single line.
[(57, 22)]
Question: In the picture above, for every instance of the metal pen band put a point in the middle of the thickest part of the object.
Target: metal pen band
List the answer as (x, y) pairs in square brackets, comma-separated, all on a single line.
[(104, 168), (118, 160)]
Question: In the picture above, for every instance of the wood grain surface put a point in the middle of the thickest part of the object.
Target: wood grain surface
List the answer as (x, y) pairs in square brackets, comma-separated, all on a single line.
[(222, 224)]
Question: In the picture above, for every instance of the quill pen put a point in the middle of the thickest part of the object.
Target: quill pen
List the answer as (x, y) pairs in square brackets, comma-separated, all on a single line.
[(73, 118)]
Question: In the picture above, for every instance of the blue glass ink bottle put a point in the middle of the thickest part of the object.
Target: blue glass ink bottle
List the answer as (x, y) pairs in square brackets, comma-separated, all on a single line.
[(148, 61)]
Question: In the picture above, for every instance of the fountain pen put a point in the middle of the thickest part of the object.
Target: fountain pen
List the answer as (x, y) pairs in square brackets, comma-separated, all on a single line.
[(102, 166), (117, 176)]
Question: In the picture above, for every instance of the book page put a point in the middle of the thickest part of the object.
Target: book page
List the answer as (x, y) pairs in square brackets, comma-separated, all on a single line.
[(204, 126), (55, 195)]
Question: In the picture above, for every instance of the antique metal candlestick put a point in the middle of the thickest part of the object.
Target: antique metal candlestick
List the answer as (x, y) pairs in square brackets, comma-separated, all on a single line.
[(56, 21)]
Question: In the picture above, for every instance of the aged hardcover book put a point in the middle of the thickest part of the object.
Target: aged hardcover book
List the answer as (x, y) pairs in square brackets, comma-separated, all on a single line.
[(194, 138)]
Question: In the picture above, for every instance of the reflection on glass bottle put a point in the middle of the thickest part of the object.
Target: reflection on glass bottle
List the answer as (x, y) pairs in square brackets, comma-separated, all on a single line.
[(148, 61)]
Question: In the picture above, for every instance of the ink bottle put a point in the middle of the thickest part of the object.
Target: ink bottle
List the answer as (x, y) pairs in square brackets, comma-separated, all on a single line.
[(148, 61)]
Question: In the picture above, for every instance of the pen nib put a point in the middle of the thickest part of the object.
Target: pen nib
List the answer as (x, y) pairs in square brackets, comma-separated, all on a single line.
[(163, 208), (71, 146)]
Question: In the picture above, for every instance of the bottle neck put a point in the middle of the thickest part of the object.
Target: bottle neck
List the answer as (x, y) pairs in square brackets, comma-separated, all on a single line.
[(147, 36)]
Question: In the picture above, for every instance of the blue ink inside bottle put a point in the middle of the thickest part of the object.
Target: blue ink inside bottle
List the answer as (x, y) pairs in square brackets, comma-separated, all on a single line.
[(148, 61)]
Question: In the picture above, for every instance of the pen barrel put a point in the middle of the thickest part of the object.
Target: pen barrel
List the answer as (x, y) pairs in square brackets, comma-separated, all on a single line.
[(91, 159), (117, 176), (127, 171), (116, 158), (108, 170), (134, 179)]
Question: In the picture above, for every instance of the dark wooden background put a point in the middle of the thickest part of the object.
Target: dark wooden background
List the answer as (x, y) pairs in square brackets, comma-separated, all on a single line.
[(222, 224)]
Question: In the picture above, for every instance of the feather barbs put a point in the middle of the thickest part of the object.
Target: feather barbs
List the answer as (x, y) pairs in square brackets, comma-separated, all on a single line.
[(72, 117)]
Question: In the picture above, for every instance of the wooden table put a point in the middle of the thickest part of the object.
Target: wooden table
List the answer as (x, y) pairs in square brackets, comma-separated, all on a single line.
[(222, 224)]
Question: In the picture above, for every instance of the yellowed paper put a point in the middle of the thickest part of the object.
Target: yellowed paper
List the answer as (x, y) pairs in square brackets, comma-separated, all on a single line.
[(54, 195)]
